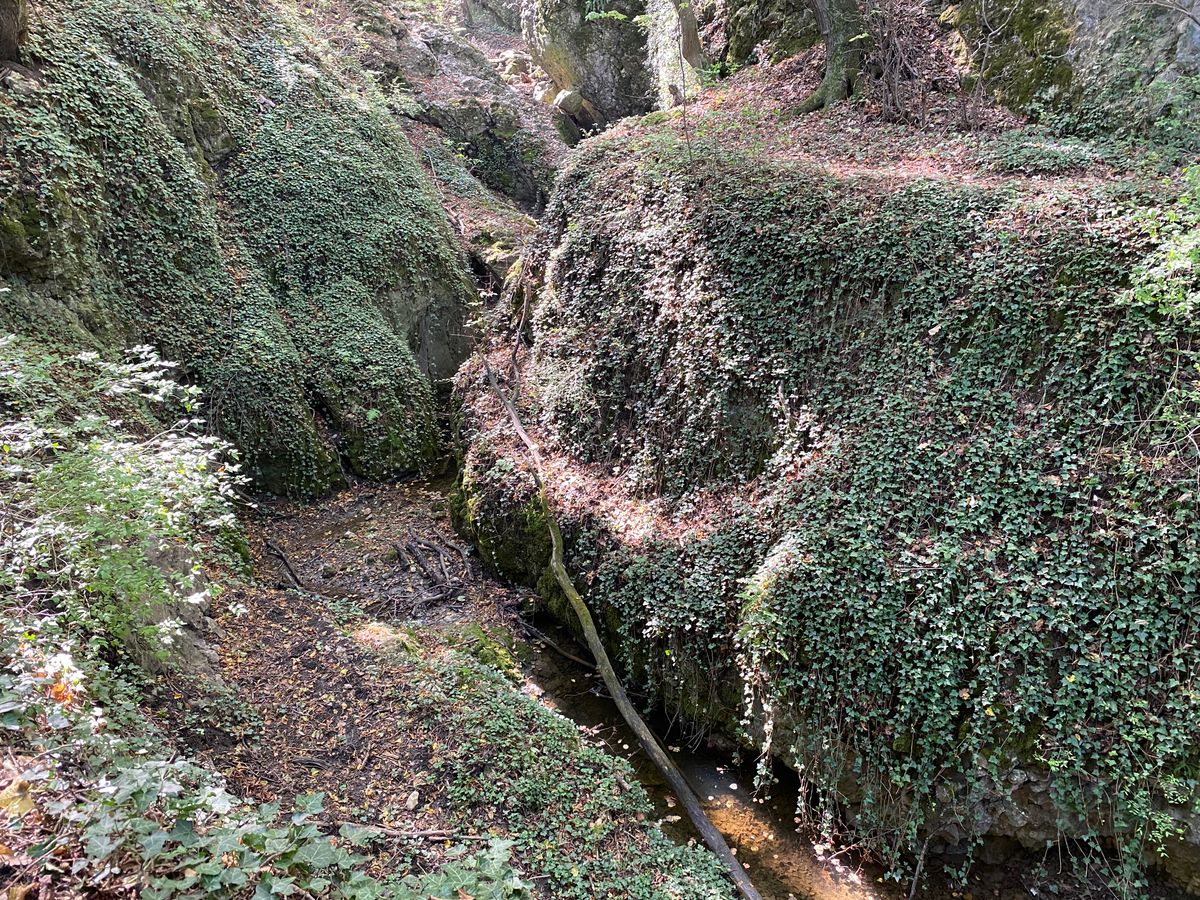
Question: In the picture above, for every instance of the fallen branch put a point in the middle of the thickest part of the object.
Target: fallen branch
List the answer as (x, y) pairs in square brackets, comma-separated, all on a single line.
[(561, 651), (441, 555), (646, 738), (274, 550), (415, 552), (432, 834)]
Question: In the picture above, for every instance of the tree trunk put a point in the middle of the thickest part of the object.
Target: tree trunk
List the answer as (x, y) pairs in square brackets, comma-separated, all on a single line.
[(646, 738), (14, 28), (841, 24), (690, 47)]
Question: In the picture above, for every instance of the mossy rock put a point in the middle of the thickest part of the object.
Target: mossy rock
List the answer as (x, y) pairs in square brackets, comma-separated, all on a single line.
[(602, 55), (490, 650), (516, 545), (1029, 57), (193, 180), (915, 416), (786, 26)]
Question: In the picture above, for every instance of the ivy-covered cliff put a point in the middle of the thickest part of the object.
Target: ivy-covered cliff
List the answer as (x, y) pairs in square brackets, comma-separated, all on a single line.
[(886, 469), (214, 181)]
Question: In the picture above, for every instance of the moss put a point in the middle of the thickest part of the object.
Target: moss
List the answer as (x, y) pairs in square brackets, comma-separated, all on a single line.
[(192, 179), (1028, 58), (787, 26), (513, 543), (924, 573), (491, 650), (658, 117)]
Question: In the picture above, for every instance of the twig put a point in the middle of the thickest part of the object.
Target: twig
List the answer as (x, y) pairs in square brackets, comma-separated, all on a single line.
[(422, 562), (431, 834), (556, 648), (274, 550), (916, 879)]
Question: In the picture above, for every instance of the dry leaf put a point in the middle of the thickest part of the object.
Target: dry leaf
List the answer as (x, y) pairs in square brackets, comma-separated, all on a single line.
[(15, 799)]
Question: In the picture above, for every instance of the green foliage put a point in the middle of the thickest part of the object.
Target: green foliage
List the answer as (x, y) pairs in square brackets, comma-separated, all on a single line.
[(96, 499), (102, 509), (523, 768), (1033, 153), (193, 179), (486, 875), (970, 544), (610, 15)]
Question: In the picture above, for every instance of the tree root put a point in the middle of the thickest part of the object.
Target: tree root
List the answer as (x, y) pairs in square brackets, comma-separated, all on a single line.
[(646, 738), (834, 87), (278, 553)]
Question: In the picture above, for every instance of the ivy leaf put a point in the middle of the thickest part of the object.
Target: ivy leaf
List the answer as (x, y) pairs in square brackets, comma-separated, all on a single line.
[(316, 854)]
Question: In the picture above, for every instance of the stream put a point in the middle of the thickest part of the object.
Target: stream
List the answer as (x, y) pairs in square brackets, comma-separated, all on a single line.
[(346, 548), (782, 862)]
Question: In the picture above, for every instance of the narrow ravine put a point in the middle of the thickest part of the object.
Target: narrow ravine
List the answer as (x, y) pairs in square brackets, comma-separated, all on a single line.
[(362, 591)]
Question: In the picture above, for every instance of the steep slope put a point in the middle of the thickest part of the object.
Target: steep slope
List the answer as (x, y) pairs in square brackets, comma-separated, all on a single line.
[(203, 179), (882, 462), (301, 747)]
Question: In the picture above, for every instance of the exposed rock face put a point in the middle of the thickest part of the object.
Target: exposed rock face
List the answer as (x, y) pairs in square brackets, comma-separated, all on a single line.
[(623, 60), (675, 52), (1112, 64), (778, 28), (603, 56), (191, 648), (501, 15), (508, 140)]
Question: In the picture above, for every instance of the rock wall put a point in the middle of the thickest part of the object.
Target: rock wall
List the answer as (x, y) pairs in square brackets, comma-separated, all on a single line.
[(675, 53), (1095, 66), (596, 50), (778, 28), (217, 182), (612, 60), (477, 106), (880, 476)]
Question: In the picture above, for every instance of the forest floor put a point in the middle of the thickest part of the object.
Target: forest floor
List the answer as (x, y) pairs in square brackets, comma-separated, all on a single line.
[(373, 661), (329, 684), (968, 142), (359, 608)]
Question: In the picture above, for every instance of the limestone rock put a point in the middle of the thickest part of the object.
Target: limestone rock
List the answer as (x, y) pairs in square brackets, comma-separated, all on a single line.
[(513, 62), (603, 57), (495, 15), (570, 102), (782, 27), (189, 651), (1080, 55)]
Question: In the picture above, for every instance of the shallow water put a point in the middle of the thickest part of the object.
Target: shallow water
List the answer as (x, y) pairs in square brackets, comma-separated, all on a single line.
[(761, 830)]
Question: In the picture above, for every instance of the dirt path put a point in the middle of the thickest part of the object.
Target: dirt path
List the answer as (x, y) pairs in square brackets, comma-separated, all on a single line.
[(331, 689)]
